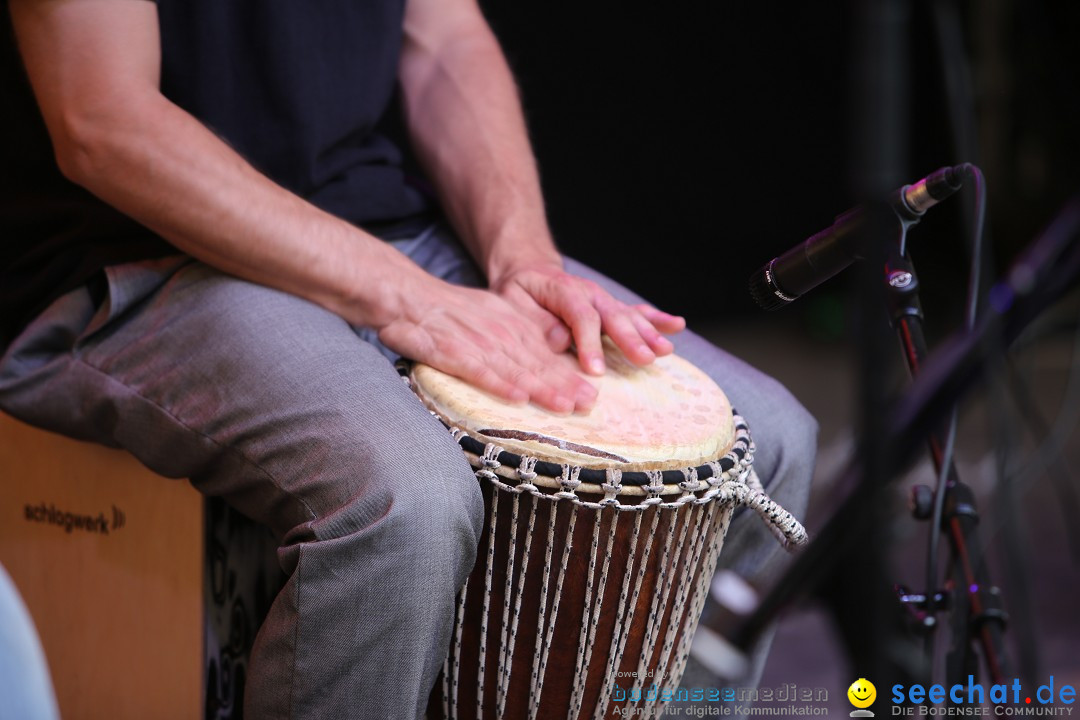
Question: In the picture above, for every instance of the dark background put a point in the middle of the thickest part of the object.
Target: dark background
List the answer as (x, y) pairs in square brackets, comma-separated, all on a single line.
[(683, 145)]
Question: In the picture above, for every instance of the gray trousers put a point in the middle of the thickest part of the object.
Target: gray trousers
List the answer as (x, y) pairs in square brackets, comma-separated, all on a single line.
[(301, 422)]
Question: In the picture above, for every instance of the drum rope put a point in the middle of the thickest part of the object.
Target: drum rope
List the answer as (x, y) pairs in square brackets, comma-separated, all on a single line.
[(752, 480), (594, 626), (490, 462), (502, 670), (664, 585), (714, 542), (570, 480), (534, 693), (788, 531), (450, 695), (673, 589), (526, 473), (446, 685), (618, 637), (636, 595), (719, 480), (614, 477), (719, 530), (586, 616), (783, 525), (456, 667), (661, 590), (791, 533), (677, 624)]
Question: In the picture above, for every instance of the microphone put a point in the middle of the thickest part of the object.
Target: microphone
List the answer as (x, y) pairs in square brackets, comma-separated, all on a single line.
[(802, 268)]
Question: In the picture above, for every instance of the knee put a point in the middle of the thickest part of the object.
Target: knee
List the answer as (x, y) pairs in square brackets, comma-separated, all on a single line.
[(437, 521), (440, 513), (419, 498), (785, 434), (800, 430)]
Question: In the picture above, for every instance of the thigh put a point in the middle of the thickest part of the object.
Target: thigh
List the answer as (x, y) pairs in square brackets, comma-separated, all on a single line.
[(254, 394)]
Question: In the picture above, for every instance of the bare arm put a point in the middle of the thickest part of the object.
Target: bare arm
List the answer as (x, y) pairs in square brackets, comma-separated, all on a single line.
[(467, 125), (94, 66)]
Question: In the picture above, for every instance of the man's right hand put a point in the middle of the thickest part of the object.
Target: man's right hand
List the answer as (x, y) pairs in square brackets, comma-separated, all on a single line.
[(477, 336)]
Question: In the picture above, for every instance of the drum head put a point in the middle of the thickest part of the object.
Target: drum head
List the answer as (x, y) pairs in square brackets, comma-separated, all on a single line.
[(665, 416)]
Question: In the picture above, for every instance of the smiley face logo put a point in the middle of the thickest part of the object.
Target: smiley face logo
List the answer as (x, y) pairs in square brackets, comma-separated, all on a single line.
[(862, 694)]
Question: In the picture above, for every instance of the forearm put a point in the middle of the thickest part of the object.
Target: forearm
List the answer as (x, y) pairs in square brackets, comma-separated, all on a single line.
[(466, 122), (162, 167)]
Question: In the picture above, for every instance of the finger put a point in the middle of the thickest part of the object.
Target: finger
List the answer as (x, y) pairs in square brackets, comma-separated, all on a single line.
[(584, 323), (579, 393), (578, 388), (556, 334), (490, 377), (542, 391), (662, 321), (564, 395), (621, 328), (553, 383), (567, 299), (513, 345), (659, 344)]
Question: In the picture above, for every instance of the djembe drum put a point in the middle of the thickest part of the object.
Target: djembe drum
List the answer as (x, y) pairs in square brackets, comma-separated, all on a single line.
[(602, 535)]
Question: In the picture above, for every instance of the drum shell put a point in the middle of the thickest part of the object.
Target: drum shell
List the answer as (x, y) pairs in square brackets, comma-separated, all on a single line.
[(674, 542)]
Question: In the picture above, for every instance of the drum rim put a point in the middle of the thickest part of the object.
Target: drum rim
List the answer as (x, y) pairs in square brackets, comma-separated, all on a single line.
[(741, 448)]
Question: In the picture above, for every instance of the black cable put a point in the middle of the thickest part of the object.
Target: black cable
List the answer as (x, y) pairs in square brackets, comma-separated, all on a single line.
[(974, 174), (971, 313)]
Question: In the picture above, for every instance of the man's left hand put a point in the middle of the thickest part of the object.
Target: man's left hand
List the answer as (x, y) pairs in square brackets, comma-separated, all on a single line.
[(573, 309)]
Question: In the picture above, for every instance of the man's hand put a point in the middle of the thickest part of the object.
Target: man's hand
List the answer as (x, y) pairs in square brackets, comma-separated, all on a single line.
[(572, 309), (479, 337)]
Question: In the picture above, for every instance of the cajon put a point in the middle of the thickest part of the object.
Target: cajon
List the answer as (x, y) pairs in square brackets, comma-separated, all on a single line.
[(145, 596)]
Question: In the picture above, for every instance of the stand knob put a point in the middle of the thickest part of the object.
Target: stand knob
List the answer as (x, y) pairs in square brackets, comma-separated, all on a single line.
[(921, 502)]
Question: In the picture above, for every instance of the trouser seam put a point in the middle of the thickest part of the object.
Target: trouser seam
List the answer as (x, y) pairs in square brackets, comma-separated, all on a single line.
[(296, 628)]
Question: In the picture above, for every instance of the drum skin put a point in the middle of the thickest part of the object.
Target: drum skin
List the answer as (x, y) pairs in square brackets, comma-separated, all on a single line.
[(667, 415)]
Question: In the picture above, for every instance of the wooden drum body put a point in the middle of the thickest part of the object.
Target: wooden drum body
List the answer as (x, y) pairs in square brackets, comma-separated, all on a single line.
[(602, 535)]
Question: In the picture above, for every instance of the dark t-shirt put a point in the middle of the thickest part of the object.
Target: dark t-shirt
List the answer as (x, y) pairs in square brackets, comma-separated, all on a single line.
[(297, 88)]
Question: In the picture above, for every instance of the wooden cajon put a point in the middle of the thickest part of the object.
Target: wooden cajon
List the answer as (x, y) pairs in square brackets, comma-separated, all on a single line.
[(145, 596)]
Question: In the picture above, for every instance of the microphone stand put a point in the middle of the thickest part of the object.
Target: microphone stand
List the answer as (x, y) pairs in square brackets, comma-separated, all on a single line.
[(1048, 268), (977, 613)]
